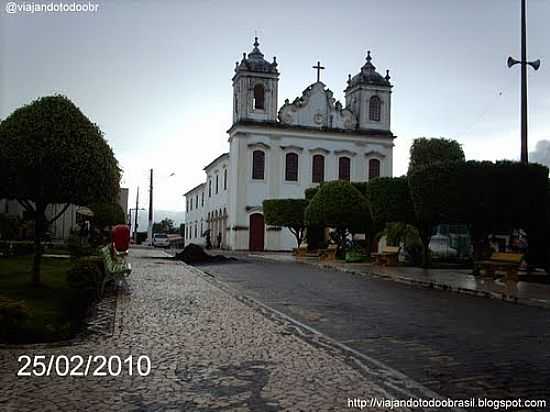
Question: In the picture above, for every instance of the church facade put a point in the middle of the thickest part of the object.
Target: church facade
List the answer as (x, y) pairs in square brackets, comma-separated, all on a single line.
[(279, 152)]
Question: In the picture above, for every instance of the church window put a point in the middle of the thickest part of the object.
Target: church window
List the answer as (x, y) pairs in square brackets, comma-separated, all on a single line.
[(259, 97), (225, 179), (318, 169), (374, 168), (258, 165), (374, 108), (344, 168), (209, 187), (217, 184), (291, 169)]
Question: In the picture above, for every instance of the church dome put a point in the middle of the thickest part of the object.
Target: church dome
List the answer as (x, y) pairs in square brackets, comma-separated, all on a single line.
[(255, 61), (369, 76)]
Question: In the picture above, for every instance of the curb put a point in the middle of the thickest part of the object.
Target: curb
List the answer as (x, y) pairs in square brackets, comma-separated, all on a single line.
[(444, 287), (424, 284)]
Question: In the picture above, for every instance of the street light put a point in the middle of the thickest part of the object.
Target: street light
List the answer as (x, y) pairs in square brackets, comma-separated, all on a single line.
[(535, 65)]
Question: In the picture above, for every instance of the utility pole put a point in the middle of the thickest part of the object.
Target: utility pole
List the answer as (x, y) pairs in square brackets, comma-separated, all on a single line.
[(535, 64), (136, 218), (150, 227)]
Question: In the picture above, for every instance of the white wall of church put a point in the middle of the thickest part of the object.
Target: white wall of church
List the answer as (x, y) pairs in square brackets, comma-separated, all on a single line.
[(249, 194)]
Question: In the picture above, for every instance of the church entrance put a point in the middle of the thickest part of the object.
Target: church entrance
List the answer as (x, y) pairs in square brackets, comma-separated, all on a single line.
[(256, 231)]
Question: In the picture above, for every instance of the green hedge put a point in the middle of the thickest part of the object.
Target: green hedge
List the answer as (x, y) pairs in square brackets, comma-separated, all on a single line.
[(488, 196), (390, 201)]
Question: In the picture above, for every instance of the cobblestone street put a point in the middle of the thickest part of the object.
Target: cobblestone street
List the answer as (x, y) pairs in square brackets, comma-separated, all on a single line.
[(457, 345), (209, 351)]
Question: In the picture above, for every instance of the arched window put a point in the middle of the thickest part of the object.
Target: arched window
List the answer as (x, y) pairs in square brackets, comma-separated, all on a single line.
[(375, 105), (202, 199), (318, 169), (209, 187), (225, 179), (258, 165), (291, 169), (374, 168), (259, 95), (344, 168), (217, 184)]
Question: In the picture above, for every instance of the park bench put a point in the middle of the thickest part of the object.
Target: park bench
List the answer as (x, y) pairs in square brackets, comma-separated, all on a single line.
[(328, 253), (116, 268), (501, 261), (388, 257)]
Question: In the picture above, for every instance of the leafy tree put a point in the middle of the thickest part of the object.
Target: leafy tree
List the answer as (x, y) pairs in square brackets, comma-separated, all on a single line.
[(51, 153), (339, 205), (288, 213), (426, 152), (107, 214), (165, 226)]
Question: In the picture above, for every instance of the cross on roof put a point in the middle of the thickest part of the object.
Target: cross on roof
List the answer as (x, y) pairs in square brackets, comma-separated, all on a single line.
[(318, 68)]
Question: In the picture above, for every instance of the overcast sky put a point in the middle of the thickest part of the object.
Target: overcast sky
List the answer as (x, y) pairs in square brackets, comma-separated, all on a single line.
[(156, 75)]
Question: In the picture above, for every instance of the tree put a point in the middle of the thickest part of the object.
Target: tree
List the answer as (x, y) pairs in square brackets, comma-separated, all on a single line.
[(165, 226), (339, 205), (426, 152), (51, 153), (288, 213), (390, 201), (107, 214)]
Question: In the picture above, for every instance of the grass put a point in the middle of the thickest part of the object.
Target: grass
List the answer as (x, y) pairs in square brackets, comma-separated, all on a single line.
[(51, 305)]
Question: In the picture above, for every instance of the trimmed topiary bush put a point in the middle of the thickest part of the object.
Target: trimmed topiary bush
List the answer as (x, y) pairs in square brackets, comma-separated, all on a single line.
[(288, 213), (341, 206)]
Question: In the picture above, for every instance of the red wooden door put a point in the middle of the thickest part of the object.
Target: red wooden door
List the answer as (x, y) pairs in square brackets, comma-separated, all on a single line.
[(256, 230)]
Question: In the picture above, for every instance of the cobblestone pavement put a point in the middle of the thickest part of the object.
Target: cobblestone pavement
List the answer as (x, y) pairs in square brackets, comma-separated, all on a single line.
[(209, 352), (457, 345)]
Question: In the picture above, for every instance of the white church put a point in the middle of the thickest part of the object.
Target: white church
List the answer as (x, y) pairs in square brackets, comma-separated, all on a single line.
[(279, 152)]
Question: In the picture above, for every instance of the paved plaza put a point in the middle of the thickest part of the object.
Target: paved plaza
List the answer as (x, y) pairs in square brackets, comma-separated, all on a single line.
[(209, 351)]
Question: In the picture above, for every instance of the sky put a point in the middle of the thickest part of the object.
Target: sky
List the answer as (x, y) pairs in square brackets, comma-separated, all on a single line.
[(156, 75)]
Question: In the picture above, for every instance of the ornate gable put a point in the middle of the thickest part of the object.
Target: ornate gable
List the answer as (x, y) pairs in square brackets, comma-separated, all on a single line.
[(317, 108)]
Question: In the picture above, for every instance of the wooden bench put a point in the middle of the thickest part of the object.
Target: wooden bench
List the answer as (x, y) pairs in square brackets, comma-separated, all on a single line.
[(388, 257), (329, 253), (116, 268), (500, 261)]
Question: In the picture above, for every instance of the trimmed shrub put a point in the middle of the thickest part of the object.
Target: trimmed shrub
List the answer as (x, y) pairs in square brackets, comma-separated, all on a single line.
[(288, 213), (87, 276), (13, 315), (390, 201), (341, 206)]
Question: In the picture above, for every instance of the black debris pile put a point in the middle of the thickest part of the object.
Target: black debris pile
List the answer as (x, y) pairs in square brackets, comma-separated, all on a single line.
[(193, 254)]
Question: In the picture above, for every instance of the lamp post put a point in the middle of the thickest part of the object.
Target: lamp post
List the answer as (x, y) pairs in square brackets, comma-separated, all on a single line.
[(535, 65)]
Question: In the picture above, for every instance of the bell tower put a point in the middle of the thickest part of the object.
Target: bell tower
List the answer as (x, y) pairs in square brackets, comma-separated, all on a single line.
[(368, 96), (255, 86)]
